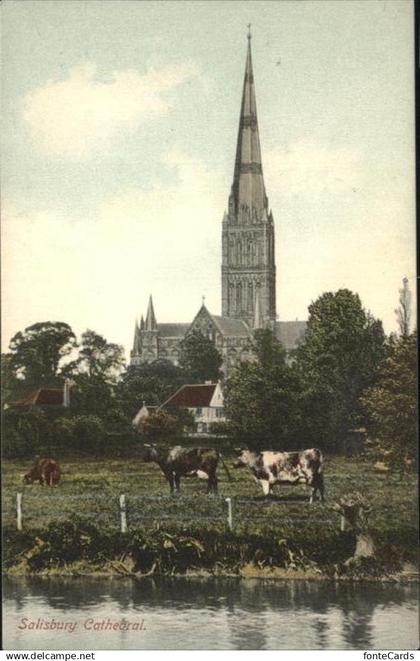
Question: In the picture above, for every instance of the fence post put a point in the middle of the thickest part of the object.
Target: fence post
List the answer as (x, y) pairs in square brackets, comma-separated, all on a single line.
[(19, 511), (123, 513), (229, 516)]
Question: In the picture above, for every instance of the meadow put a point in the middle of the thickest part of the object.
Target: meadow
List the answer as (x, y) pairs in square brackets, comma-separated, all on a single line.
[(80, 519)]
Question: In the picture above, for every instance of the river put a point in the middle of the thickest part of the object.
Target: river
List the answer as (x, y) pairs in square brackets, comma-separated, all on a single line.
[(210, 613)]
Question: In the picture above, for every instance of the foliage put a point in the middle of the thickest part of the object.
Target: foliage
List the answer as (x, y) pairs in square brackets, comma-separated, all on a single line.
[(85, 432), (25, 431), (392, 405), (199, 358), (339, 357), (261, 397), (158, 424), (98, 358), (37, 353), (150, 383)]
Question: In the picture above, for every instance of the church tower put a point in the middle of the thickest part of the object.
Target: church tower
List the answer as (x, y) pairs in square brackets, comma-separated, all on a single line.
[(248, 265)]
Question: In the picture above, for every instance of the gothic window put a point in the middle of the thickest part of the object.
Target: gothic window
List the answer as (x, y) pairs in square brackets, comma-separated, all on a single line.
[(250, 296), (238, 297)]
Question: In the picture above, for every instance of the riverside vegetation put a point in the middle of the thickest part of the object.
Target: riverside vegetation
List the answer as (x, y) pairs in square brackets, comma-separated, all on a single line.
[(75, 528)]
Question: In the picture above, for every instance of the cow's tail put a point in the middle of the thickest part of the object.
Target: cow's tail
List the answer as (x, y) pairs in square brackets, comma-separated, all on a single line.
[(229, 476)]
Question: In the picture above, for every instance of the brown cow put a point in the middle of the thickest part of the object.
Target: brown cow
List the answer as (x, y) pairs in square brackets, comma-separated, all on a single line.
[(46, 471), (180, 462)]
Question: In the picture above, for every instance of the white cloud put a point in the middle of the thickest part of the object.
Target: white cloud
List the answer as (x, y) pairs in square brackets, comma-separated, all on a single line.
[(75, 116), (98, 272), (311, 167)]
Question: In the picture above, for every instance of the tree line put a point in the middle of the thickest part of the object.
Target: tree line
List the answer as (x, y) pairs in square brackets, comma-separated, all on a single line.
[(344, 374)]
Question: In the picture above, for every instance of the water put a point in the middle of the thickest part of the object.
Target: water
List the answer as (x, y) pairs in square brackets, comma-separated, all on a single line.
[(192, 613)]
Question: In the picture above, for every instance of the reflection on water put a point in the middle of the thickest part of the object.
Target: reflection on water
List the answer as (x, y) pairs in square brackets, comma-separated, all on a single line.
[(192, 613)]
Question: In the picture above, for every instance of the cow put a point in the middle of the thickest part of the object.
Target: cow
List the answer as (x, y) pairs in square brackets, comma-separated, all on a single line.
[(46, 471), (180, 462), (270, 467)]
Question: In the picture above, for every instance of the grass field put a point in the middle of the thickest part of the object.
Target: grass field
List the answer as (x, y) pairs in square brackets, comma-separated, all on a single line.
[(91, 488)]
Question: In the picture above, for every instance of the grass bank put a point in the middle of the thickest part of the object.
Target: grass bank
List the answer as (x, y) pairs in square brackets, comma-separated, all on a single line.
[(75, 528)]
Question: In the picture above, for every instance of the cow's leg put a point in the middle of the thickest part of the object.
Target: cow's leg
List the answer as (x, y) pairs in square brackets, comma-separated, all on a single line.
[(212, 483), (170, 478), (177, 482), (321, 488), (265, 487)]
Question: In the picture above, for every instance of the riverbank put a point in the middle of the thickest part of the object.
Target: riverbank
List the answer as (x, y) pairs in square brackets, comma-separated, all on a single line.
[(78, 548)]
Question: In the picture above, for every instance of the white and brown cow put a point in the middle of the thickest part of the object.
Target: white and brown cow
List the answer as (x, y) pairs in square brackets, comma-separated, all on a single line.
[(180, 462), (270, 467)]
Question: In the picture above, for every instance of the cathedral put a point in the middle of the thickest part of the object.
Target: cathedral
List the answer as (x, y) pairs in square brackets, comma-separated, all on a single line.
[(248, 264)]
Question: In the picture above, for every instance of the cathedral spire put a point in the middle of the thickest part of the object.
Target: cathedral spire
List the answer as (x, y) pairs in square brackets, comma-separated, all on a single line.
[(150, 324), (248, 200), (135, 350)]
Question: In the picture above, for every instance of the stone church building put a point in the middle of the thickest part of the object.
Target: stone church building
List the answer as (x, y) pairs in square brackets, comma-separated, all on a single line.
[(248, 264)]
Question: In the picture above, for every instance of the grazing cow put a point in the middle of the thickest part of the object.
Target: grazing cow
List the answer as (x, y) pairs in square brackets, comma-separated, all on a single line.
[(180, 462), (270, 467), (46, 471)]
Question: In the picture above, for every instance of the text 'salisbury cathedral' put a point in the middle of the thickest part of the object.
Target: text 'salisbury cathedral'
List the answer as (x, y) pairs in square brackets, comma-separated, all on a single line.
[(248, 264)]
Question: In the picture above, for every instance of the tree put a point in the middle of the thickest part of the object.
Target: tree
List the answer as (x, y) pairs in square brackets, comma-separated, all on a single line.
[(392, 404), (95, 373), (38, 351), (261, 397), (403, 311), (99, 358), (158, 425), (199, 358), (151, 383), (339, 357)]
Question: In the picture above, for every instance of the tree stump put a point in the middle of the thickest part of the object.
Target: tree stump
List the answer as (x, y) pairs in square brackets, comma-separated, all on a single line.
[(355, 509)]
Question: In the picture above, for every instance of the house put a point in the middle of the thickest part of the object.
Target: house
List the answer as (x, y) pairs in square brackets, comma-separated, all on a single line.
[(203, 400), (47, 397)]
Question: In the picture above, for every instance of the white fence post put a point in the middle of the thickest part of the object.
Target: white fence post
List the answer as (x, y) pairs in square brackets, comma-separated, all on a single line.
[(229, 516), (19, 511), (123, 513)]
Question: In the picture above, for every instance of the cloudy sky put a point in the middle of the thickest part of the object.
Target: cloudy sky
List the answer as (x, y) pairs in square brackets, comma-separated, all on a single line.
[(120, 123)]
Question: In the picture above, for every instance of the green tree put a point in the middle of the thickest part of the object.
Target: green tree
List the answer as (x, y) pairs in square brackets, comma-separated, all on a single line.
[(392, 404), (339, 357), (98, 358), (158, 425), (36, 353), (96, 373), (199, 358), (151, 383), (261, 397)]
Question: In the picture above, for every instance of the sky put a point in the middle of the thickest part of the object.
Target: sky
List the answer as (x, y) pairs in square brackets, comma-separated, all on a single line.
[(120, 121)]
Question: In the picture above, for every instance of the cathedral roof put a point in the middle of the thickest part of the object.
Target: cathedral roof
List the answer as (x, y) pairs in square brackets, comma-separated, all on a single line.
[(289, 333), (231, 327), (173, 330)]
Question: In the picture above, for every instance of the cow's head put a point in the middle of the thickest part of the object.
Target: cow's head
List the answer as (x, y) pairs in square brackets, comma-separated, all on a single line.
[(28, 478), (149, 452), (241, 459)]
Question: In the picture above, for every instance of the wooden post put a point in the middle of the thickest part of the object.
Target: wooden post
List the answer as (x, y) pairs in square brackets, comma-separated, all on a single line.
[(123, 513), (19, 511), (229, 516)]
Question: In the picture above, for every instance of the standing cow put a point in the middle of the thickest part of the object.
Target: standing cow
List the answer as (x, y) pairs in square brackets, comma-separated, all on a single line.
[(46, 471), (270, 467), (180, 462)]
